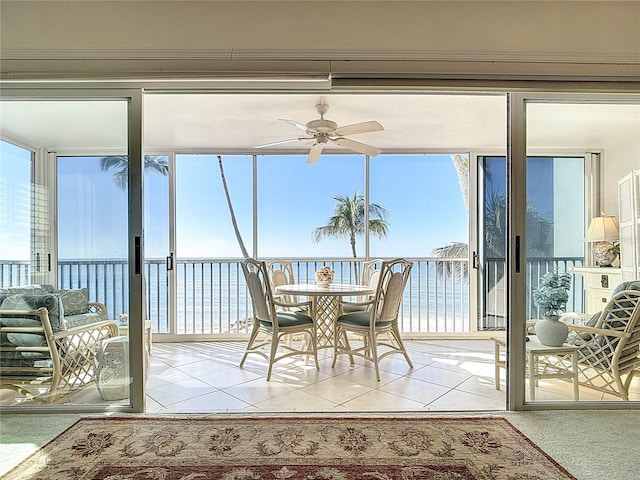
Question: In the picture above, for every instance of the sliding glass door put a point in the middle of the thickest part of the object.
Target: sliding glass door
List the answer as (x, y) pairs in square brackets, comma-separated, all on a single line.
[(581, 357), (71, 257), (16, 198)]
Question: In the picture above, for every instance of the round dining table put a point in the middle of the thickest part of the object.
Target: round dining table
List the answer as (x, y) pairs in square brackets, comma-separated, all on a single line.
[(326, 303)]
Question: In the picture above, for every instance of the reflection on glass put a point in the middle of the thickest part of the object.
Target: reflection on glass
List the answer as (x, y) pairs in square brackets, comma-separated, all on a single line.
[(63, 269)]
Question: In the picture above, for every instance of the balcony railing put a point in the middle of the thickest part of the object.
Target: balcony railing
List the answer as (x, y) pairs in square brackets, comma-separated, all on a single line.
[(211, 296)]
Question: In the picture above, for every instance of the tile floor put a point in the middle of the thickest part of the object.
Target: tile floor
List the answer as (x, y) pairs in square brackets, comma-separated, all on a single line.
[(448, 375)]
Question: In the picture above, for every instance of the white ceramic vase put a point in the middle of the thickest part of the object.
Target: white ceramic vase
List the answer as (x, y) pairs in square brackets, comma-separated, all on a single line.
[(551, 331)]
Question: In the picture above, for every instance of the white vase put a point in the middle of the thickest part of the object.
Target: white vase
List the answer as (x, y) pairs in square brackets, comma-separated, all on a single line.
[(551, 331)]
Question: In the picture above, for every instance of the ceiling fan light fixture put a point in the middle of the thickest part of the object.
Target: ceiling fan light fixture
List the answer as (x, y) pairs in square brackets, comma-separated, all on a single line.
[(321, 126), (324, 131)]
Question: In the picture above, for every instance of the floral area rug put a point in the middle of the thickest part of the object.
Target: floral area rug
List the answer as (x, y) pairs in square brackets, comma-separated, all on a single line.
[(297, 448)]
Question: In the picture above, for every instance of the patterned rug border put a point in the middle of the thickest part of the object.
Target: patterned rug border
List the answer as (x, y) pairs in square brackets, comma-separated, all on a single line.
[(219, 418)]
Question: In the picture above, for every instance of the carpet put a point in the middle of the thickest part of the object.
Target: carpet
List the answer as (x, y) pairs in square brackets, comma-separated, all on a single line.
[(305, 448)]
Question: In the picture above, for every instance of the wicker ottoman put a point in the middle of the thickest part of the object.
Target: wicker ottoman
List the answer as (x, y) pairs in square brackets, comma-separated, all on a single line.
[(112, 368)]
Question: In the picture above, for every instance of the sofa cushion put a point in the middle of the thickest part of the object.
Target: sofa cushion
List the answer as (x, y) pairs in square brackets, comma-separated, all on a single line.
[(51, 301), (83, 319), (74, 301), (21, 339), (33, 289)]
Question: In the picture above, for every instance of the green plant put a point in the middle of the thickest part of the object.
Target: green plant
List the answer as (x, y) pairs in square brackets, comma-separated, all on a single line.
[(552, 293), (615, 249)]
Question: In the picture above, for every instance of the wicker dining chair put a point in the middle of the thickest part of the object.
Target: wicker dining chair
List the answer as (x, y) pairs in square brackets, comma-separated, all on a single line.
[(377, 322), (274, 323), (280, 272), (370, 276)]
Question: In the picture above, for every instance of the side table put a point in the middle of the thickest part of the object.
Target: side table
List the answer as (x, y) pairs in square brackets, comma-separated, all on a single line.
[(542, 362), (112, 368), (123, 329)]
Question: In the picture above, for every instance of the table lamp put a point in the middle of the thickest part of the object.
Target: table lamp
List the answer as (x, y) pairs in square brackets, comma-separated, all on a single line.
[(601, 232)]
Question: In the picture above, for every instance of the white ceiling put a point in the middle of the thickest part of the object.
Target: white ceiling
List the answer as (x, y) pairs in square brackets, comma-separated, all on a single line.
[(239, 122)]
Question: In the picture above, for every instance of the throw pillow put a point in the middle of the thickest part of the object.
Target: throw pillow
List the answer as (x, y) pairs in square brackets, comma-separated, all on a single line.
[(74, 301), (23, 301)]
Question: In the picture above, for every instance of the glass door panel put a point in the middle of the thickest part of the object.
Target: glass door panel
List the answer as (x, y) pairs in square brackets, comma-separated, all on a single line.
[(427, 199), (209, 283), (17, 216), (75, 221), (564, 192), (158, 254), (302, 213), (554, 229)]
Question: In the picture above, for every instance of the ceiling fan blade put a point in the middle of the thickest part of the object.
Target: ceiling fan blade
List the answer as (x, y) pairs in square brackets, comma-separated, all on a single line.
[(295, 124), (356, 128), (314, 153), (289, 140), (357, 146)]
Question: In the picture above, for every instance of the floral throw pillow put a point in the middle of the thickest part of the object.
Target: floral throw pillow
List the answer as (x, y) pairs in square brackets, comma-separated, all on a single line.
[(75, 301)]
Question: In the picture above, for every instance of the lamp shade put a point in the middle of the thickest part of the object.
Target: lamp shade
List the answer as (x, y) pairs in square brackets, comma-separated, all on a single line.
[(604, 228)]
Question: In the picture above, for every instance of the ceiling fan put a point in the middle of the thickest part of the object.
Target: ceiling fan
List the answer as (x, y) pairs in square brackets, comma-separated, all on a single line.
[(324, 131)]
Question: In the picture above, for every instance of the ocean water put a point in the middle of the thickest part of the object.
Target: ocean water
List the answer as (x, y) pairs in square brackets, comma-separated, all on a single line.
[(211, 296)]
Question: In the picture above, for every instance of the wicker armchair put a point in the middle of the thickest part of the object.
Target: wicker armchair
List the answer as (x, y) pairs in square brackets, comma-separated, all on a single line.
[(61, 363), (609, 342)]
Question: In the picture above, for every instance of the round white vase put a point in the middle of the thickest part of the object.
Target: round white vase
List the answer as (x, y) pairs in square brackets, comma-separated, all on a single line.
[(551, 331)]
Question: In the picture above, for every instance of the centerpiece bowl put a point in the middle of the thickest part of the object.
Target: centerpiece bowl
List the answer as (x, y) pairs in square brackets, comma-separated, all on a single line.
[(324, 276)]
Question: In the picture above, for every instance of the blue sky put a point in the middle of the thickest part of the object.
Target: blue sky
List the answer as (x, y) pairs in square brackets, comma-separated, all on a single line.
[(420, 192)]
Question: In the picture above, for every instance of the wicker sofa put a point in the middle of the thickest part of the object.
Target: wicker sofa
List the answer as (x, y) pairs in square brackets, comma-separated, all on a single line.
[(48, 339)]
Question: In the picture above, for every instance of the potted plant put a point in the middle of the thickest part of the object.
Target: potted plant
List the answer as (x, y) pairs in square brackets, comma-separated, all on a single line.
[(551, 297)]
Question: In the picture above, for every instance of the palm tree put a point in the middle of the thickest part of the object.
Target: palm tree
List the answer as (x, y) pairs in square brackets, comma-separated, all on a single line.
[(120, 163), (234, 222), (348, 221), (461, 164)]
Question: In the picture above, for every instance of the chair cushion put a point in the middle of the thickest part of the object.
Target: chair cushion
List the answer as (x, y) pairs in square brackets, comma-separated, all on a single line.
[(360, 319), (290, 319), (51, 301), (74, 301), (347, 308)]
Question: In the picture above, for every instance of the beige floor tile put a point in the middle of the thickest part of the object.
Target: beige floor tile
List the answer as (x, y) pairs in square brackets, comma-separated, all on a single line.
[(414, 389), (395, 364), (366, 375), (165, 378), (439, 376), (296, 401), (377, 400), (259, 390), (337, 390), (218, 401), (152, 406), (179, 391), (219, 376), (456, 400), (483, 386), (298, 376)]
